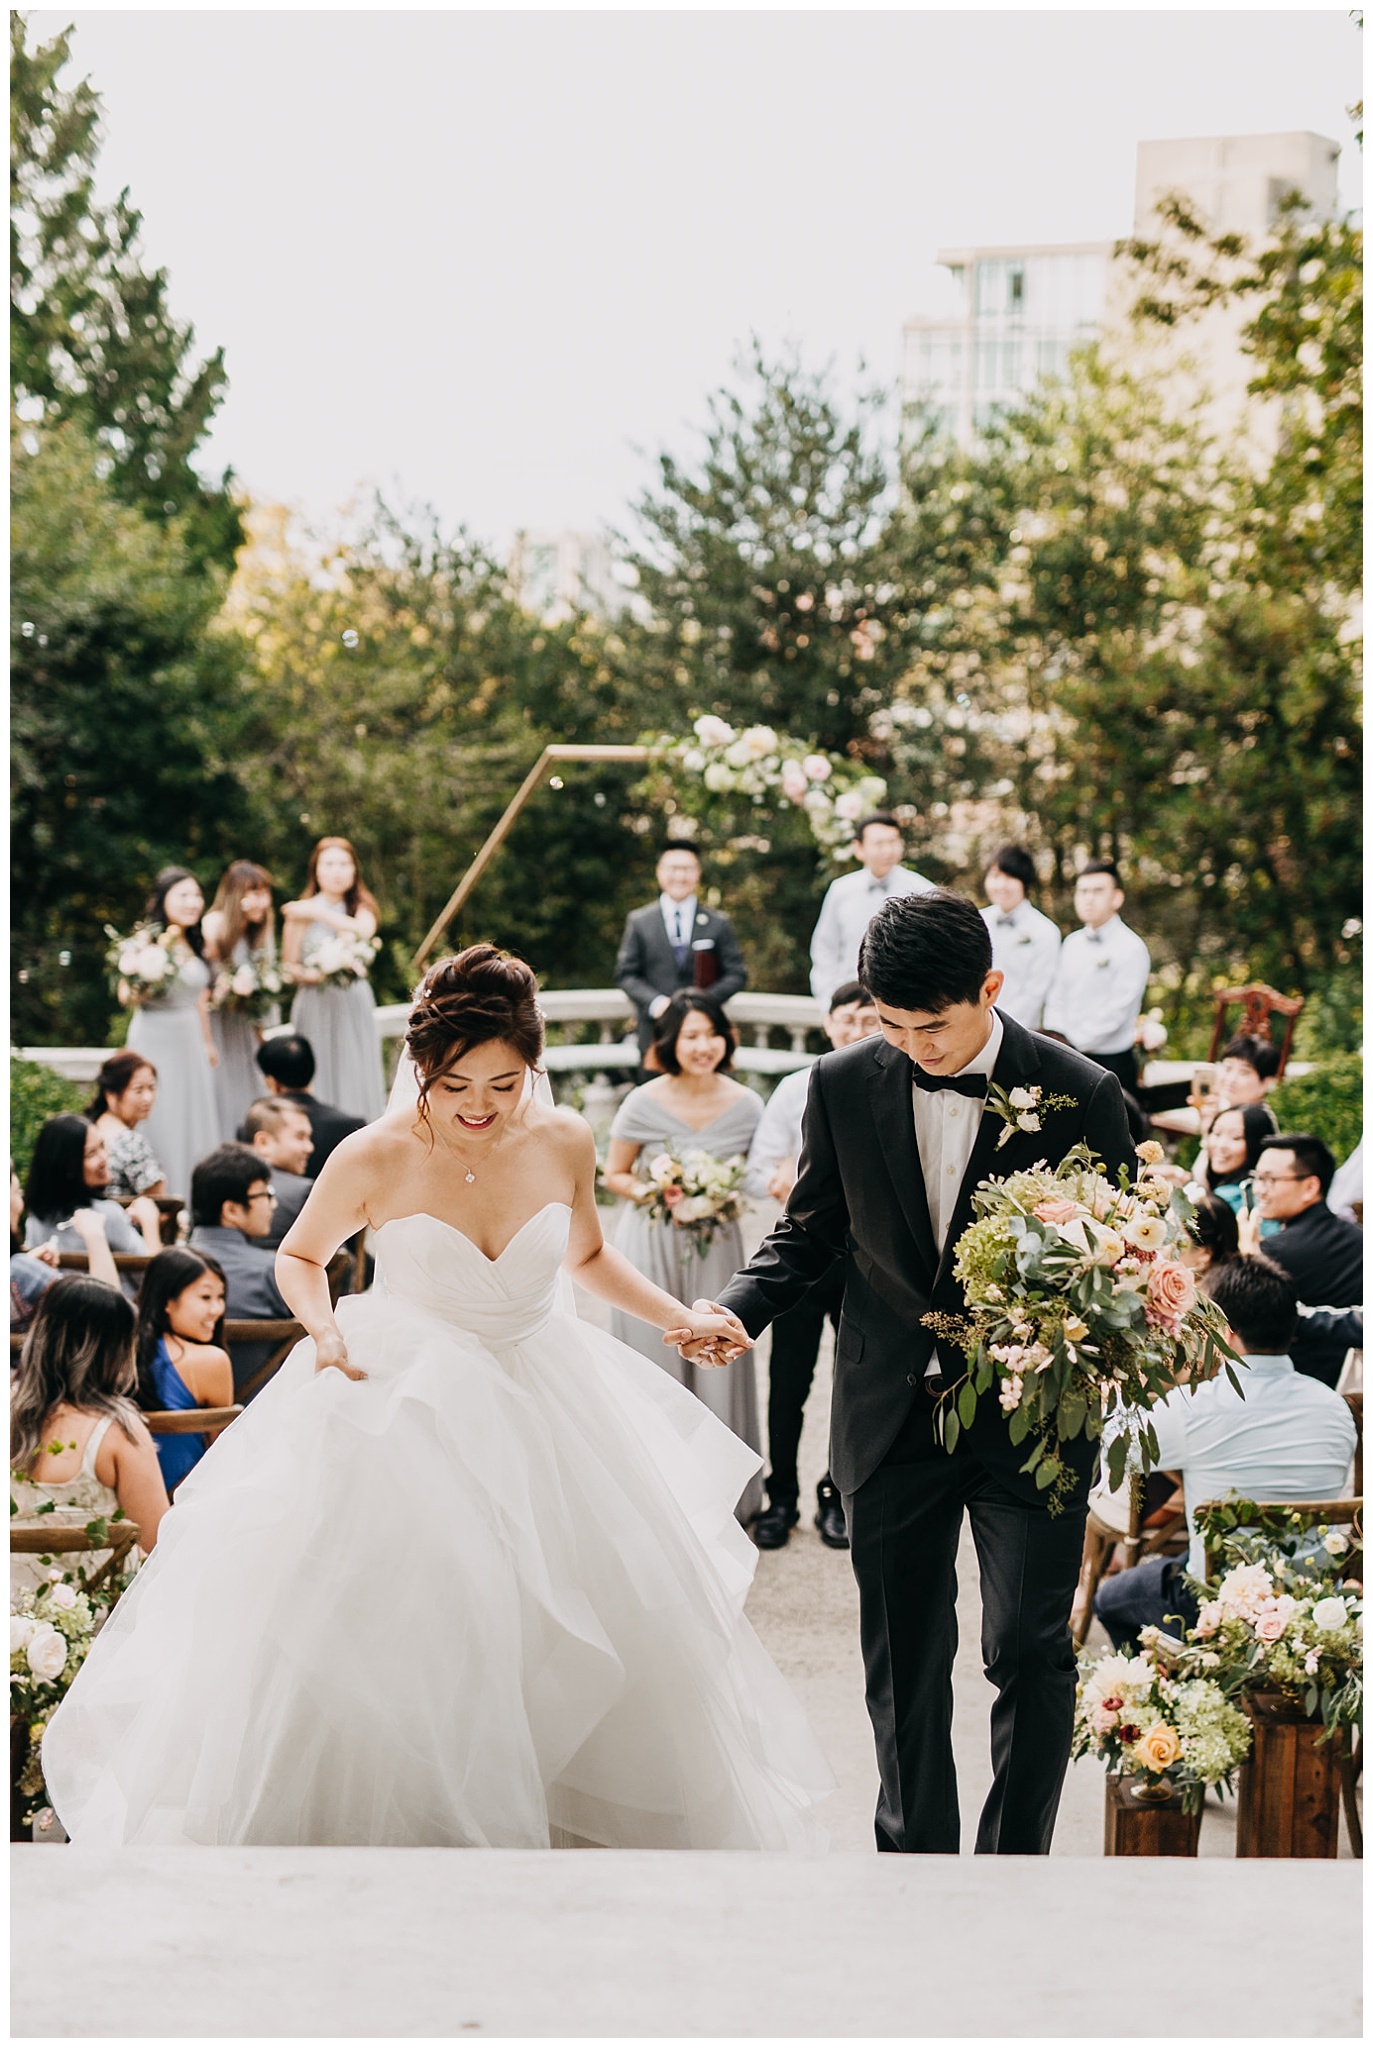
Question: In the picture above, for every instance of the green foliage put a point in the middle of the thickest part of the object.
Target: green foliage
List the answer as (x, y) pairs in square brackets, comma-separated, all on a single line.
[(36, 1093), (1327, 1102), (126, 726), (92, 339)]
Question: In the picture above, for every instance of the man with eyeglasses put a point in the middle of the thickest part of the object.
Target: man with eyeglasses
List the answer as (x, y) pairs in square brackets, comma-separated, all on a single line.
[(232, 1198), (1322, 1253)]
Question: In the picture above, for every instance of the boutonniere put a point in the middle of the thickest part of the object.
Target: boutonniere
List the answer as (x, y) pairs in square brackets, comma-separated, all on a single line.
[(1021, 1109)]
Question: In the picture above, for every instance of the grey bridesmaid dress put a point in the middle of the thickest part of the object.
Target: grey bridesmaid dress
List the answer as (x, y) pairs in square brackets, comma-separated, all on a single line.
[(341, 1025), (184, 1125), (668, 1257), (238, 1078)]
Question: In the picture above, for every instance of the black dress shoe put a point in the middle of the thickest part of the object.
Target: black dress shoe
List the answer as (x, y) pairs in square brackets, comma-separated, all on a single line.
[(774, 1525), (830, 1517)]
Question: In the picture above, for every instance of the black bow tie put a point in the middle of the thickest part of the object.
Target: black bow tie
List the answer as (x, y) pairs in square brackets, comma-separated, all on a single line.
[(1005, 924), (962, 1084)]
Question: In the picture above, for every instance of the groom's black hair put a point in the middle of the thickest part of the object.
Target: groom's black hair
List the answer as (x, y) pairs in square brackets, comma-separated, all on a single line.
[(926, 952)]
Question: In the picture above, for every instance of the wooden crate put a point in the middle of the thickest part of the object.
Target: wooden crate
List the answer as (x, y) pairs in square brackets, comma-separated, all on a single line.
[(1136, 1827), (1289, 1790)]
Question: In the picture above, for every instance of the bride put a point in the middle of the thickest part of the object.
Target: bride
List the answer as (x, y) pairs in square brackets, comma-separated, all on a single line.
[(467, 1572)]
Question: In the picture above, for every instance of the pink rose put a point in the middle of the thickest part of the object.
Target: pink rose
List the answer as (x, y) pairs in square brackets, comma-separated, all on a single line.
[(1270, 1626), (672, 1196), (1058, 1210), (1171, 1294), (1103, 1720), (1210, 1618)]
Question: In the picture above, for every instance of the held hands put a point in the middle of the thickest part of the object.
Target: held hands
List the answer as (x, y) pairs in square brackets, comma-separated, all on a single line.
[(332, 1351), (782, 1180), (710, 1335)]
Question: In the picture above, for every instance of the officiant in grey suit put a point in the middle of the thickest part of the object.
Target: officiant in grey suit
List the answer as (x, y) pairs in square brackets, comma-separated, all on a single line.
[(677, 943)]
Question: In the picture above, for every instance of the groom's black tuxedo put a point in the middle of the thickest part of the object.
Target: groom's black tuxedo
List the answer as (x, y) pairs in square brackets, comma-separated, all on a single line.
[(860, 1195)]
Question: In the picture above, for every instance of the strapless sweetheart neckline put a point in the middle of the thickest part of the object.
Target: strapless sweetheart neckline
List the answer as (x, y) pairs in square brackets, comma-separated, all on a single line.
[(424, 1216)]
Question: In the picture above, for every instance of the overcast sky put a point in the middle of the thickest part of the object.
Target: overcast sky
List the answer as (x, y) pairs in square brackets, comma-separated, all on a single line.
[(494, 260)]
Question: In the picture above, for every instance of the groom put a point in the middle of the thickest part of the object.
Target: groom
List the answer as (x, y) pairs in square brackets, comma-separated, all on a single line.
[(897, 1137)]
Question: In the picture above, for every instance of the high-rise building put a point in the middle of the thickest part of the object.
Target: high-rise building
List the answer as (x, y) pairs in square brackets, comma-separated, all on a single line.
[(1021, 310)]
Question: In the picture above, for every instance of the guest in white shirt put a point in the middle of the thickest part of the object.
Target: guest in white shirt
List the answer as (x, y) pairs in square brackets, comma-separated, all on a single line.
[(1286, 1438), (772, 1164), (1099, 983), (1025, 942), (854, 900)]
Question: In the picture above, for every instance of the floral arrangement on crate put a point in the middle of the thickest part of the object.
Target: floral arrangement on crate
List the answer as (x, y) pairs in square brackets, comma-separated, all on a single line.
[(1280, 1619), (342, 958), (695, 1193), (52, 1627), (1079, 1308), (766, 767), (1148, 1717), (144, 964), (250, 988)]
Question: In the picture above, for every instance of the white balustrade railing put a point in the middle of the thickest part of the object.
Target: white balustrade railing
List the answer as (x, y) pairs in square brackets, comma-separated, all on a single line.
[(571, 1014)]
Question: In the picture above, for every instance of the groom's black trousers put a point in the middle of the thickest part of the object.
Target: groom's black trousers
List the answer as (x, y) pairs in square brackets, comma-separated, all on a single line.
[(904, 1525)]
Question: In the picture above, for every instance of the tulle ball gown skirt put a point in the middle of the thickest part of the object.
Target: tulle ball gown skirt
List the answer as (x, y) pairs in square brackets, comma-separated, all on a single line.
[(490, 1596)]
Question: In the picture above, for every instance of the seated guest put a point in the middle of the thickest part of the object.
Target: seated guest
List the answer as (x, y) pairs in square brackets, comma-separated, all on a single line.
[(125, 1095), (1230, 1151), (1248, 1070), (1285, 1438), (32, 1273), (182, 1362), (278, 1130), (772, 1157), (78, 1447), (288, 1066), (1214, 1234), (68, 1172), (1323, 1253), (1025, 942), (231, 1208)]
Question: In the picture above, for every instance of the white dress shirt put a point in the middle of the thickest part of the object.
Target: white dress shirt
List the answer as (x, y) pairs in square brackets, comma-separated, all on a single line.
[(1098, 988), (677, 918), (1290, 1438), (849, 907), (778, 1135), (1025, 946), (945, 1132)]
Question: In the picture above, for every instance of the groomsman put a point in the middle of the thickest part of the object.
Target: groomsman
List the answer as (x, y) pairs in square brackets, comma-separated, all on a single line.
[(853, 902), (1025, 942), (1098, 986), (674, 943)]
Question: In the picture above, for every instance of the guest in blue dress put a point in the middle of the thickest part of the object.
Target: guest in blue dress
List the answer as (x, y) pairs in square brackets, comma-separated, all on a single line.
[(182, 1362)]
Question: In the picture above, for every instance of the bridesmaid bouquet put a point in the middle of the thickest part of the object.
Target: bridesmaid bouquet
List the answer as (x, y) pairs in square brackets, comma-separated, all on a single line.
[(342, 958), (1078, 1308), (142, 965), (696, 1193), (250, 988)]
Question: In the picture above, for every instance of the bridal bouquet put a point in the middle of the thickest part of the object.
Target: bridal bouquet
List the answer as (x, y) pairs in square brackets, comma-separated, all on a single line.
[(250, 988), (1078, 1308), (342, 958), (1280, 1620), (1146, 1717), (142, 965), (52, 1628), (696, 1193)]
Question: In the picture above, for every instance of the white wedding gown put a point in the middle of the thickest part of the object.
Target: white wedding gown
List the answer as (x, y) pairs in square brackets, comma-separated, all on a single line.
[(491, 1596)]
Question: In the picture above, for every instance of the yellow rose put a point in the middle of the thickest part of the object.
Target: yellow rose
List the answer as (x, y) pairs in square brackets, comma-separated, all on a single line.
[(1159, 1748)]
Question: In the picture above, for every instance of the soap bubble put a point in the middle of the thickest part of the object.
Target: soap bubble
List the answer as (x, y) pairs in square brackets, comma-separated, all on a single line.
[(555, 782), (28, 629), (350, 638)]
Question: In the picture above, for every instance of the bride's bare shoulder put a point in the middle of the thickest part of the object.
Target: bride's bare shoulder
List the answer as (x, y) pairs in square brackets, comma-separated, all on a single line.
[(390, 1141), (569, 1133)]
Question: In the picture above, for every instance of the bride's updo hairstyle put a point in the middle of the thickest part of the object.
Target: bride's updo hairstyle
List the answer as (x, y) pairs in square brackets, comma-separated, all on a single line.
[(471, 999)]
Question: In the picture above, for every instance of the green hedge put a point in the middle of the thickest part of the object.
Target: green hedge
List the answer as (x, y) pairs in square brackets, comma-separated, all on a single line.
[(1327, 1102), (36, 1093)]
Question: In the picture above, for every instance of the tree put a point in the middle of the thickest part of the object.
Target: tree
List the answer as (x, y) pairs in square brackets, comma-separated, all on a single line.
[(126, 727), (92, 338)]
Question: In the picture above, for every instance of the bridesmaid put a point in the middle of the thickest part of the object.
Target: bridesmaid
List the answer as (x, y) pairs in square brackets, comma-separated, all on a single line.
[(172, 1032), (693, 1106), (340, 1023), (125, 1091), (239, 930)]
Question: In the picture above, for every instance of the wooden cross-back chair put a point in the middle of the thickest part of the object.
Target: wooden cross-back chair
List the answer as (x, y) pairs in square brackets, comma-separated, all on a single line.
[(1162, 1533), (1260, 1004), (169, 1211), (282, 1332), (44, 1536), (189, 1421)]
